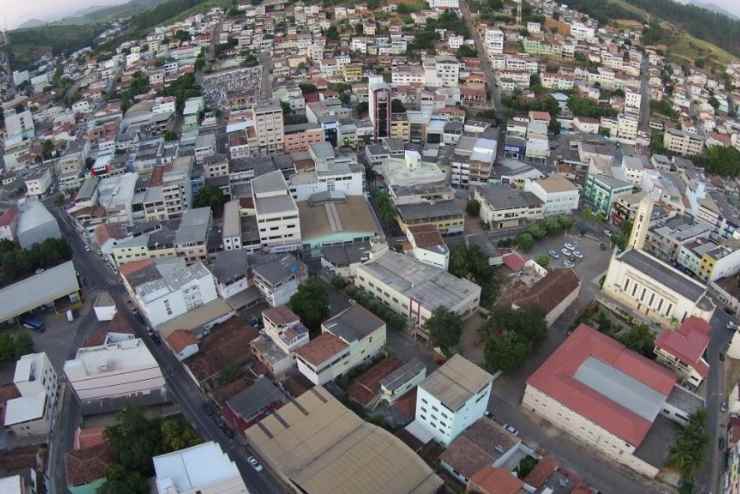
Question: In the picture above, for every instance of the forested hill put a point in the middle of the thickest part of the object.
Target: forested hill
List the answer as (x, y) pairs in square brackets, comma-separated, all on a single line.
[(701, 23)]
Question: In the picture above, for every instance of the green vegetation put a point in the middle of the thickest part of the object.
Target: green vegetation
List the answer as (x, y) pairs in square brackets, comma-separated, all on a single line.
[(552, 225), (526, 465), (585, 107), (663, 107), (445, 329), (467, 51), (473, 208), (139, 85), (720, 160), (511, 336), (543, 260), (470, 263), (15, 345), (17, 263), (28, 45), (210, 196), (621, 237), (687, 452), (426, 37), (639, 339), (134, 440), (393, 321), (183, 88), (311, 304), (384, 207)]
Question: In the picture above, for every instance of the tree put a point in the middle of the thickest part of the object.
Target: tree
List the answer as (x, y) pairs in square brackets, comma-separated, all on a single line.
[(311, 304), (445, 329), (47, 149), (543, 261), (467, 51), (361, 108), (511, 335), (397, 106), (177, 434), (505, 351), (526, 465), (385, 208), (554, 126), (170, 135), (210, 196), (181, 35), (473, 208), (687, 452), (640, 339), (332, 33), (525, 241)]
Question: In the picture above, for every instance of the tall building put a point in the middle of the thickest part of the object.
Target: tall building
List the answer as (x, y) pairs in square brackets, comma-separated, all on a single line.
[(268, 122), (277, 213), (379, 106), (641, 225)]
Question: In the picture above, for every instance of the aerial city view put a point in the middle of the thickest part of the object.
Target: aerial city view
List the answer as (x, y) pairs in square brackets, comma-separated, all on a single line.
[(369, 247)]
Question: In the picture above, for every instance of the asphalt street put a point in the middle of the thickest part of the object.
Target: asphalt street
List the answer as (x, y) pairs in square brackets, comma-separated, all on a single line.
[(183, 390)]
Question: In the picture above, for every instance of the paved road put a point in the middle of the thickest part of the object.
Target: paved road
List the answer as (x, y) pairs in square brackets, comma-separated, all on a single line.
[(708, 478), (181, 387), (644, 124), (494, 95)]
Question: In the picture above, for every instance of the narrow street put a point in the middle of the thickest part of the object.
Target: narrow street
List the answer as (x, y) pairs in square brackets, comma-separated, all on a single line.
[(183, 390)]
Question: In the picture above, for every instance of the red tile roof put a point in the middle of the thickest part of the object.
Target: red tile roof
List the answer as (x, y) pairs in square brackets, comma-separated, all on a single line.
[(8, 216), (550, 291), (492, 480), (89, 437), (134, 266), (687, 343), (541, 472), (180, 339), (555, 379), (321, 349), (280, 315), (83, 466), (514, 261), (367, 385)]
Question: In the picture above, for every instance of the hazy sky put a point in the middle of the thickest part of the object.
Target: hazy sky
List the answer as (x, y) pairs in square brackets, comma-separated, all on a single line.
[(732, 6), (15, 12)]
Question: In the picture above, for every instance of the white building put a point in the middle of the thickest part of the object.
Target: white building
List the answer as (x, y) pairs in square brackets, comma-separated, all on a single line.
[(452, 398), (558, 194), (444, 4), (119, 370), (494, 40), (31, 414), (201, 469), (351, 338), (414, 289), (232, 229), (167, 288), (39, 182), (277, 213)]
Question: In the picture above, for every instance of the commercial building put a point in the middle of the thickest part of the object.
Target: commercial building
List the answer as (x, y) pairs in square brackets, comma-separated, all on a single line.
[(558, 194), (114, 375), (684, 349), (504, 207), (684, 143), (40, 289), (201, 469), (600, 192), (38, 182), (317, 445), (31, 413), (414, 289), (347, 340), (379, 107), (277, 213), (451, 399), (331, 219), (607, 396), (167, 288), (35, 224)]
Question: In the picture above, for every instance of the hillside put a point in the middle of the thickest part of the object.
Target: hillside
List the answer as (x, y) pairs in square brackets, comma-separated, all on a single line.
[(105, 14), (689, 33), (28, 45)]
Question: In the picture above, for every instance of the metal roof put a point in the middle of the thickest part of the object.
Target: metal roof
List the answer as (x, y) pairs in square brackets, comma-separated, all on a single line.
[(456, 382), (37, 290), (664, 274)]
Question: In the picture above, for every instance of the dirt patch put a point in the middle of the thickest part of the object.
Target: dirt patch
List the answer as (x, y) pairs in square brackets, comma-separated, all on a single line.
[(732, 375)]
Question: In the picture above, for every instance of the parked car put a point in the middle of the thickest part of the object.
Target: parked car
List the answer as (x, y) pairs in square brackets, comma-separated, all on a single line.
[(565, 251), (569, 264), (732, 325), (723, 406), (33, 322), (511, 429), (577, 254), (255, 464), (570, 246), (554, 254)]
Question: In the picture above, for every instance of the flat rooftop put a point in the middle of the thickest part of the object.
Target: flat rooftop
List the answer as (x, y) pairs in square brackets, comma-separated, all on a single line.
[(456, 382), (664, 274), (201, 466)]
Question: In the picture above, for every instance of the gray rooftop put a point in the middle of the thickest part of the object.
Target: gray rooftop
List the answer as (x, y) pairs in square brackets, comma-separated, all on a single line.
[(620, 388), (501, 196), (275, 268), (664, 274), (230, 265), (353, 324), (37, 290), (193, 226), (255, 398), (439, 209), (401, 376), (269, 183)]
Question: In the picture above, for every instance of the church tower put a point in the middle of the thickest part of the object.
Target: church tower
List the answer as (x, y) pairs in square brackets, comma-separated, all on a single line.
[(642, 223)]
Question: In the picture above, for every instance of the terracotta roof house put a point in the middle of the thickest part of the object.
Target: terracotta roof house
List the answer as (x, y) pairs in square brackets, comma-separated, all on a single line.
[(683, 349)]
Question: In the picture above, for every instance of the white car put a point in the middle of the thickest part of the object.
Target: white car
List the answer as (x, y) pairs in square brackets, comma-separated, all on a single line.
[(577, 254), (255, 464), (732, 325), (570, 246), (569, 264), (511, 429), (565, 251)]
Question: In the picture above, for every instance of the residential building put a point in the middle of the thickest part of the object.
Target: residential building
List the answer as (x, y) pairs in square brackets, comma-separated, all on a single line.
[(684, 349), (114, 375), (283, 334), (204, 469), (341, 443), (452, 398), (31, 414), (38, 182), (494, 40), (446, 216), (167, 288), (277, 277), (8, 224), (607, 396), (277, 213), (414, 289), (504, 207), (268, 121), (558, 194), (379, 107), (684, 143), (35, 224), (600, 192), (250, 405), (428, 246), (349, 339)]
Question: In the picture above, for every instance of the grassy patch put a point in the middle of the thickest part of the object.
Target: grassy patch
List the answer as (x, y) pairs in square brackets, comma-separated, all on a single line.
[(690, 48)]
